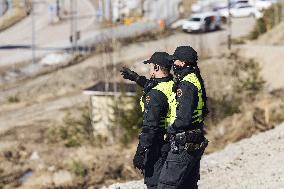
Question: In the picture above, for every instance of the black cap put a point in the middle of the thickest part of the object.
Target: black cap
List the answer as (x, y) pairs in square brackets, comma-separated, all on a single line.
[(186, 54), (161, 59)]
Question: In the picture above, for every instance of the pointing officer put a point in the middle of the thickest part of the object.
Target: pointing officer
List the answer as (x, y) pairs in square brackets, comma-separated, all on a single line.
[(156, 106)]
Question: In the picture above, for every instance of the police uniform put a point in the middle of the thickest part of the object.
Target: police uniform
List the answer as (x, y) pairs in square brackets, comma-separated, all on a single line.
[(156, 106), (181, 168)]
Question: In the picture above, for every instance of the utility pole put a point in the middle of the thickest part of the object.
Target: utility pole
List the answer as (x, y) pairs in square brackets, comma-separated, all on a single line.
[(74, 35), (1, 7), (282, 10), (229, 26), (10, 4), (107, 10), (71, 26), (142, 8), (114, 45), (58, 9), (33, 32)]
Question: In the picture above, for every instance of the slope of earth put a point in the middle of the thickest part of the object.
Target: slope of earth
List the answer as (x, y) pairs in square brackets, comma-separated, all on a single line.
[(256, 162), (273, 37), (271, 60), (268, 50)]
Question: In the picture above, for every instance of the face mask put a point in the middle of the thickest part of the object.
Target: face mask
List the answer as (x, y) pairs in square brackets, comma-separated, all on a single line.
[(177, 69)]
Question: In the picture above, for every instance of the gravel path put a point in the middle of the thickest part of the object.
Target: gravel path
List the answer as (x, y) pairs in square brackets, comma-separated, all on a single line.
[(256, 162)]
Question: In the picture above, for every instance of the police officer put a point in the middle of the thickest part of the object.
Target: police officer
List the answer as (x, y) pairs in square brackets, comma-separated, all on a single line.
[(156, 105), (181, 169)]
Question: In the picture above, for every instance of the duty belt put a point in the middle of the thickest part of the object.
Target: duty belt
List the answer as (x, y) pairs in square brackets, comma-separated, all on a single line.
[(189, 140), (193, 147)]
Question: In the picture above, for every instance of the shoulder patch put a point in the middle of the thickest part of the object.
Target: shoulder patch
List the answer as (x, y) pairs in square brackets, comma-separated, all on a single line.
[(179, 92)]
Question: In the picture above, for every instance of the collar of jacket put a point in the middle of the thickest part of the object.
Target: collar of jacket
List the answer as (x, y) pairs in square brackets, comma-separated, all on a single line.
[(184, 72), (155, 81), (163, 79)]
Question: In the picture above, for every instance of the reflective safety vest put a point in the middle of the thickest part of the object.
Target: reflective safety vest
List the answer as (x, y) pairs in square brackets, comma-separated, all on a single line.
[(198, 112), (167, 89)]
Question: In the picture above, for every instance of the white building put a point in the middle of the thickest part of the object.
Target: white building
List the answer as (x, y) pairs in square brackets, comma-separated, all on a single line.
[(149, 9)]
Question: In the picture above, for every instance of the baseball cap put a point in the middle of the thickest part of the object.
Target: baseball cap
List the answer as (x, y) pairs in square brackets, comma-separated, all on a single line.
[(161, 59), (185, 53)]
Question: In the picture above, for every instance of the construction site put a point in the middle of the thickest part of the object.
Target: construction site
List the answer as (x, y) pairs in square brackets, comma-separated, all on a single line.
[(68, 120)]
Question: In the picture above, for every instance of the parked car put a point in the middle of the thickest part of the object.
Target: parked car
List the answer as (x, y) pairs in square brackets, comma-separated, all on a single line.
[(264, 4), (202, 22), (224, 5), (241, 10)]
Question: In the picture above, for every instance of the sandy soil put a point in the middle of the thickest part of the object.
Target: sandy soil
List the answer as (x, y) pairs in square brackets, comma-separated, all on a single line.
[(271, 60), (273, 37), (256, 162)]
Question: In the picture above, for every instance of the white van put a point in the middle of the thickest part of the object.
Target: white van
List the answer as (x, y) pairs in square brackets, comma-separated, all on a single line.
[(202, 22)]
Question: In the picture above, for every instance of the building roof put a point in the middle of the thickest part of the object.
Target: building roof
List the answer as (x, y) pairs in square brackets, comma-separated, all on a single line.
[(111, 89)]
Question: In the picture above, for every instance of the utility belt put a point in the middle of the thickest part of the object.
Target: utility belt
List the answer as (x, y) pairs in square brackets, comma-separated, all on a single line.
[(189, 140)]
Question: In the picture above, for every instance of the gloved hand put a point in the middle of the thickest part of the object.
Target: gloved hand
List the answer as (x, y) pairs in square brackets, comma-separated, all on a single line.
[(139, 158), (129, 74)]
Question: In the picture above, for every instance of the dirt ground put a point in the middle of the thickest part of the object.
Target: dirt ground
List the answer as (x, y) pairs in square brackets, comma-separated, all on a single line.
[(273, 37), (271, 59), (251, 163)]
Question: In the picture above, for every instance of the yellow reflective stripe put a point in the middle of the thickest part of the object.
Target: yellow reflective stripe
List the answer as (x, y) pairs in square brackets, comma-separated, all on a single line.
[(192, 78), (142, 104), (167, 89)]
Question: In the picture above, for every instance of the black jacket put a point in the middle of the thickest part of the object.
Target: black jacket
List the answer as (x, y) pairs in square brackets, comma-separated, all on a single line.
[(187, 99), (156, 106)]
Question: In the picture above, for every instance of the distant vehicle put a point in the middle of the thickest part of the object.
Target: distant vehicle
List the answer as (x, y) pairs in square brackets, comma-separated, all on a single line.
[(241, 10), (202, 22), (224, 5), (264, 4), (220, 6), (234, 3)]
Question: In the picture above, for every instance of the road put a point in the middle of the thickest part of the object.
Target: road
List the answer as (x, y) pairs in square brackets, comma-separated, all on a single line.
[(57, 34), (46, 89), (47, 35), (207, 44)]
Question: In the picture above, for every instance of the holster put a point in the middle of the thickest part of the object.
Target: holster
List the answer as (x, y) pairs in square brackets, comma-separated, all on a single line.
[(190, 140), (193, 147)]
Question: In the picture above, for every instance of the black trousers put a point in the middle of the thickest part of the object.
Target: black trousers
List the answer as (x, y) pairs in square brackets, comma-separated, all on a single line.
[(181, 170), (155, 159)]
